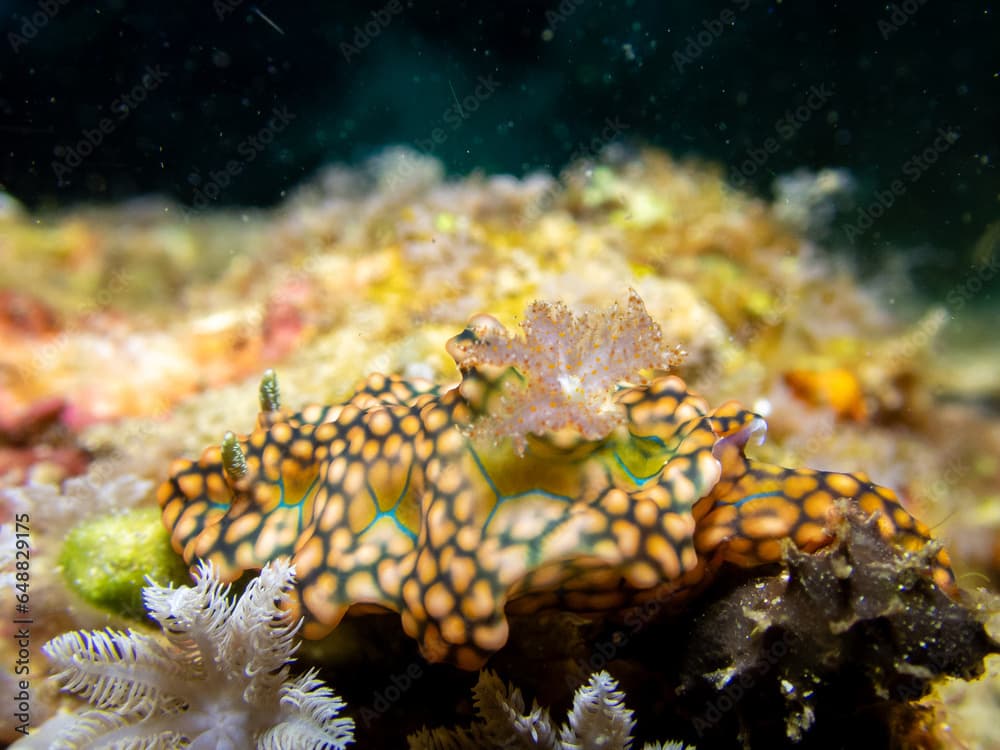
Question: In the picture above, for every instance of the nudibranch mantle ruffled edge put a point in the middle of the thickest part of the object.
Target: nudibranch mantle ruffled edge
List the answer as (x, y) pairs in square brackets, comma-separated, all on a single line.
[(510, 492)]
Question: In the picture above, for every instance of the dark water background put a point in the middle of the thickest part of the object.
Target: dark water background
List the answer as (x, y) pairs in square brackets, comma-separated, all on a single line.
[(905, 95)]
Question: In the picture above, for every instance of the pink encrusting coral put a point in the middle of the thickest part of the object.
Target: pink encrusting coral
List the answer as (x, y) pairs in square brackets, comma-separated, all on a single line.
[(570, 366)]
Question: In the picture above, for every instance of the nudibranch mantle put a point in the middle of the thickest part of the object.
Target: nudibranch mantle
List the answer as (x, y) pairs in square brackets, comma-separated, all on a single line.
[(392, 501)]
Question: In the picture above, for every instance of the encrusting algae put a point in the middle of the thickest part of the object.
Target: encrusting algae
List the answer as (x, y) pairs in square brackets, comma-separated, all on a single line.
[(106, 560), (553, 522)]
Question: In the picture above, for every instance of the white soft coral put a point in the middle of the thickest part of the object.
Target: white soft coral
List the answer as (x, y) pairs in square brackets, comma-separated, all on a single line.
[(221, 680), (570, 366), (598, 720)]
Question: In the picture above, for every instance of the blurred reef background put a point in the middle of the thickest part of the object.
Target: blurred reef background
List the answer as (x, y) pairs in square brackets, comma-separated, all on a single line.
[(806, 198), (714, 80)]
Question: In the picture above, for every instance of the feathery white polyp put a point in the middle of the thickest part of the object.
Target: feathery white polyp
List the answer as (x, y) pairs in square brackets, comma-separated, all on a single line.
[(218, 679)]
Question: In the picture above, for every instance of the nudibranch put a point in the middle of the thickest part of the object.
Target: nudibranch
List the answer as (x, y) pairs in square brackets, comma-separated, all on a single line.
[(531, 484)]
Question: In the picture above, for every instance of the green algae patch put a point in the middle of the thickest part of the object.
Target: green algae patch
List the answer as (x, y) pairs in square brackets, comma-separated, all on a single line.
[(106, 560)]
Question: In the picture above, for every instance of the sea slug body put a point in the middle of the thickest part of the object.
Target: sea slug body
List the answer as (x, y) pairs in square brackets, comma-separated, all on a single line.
[(399, 500)]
